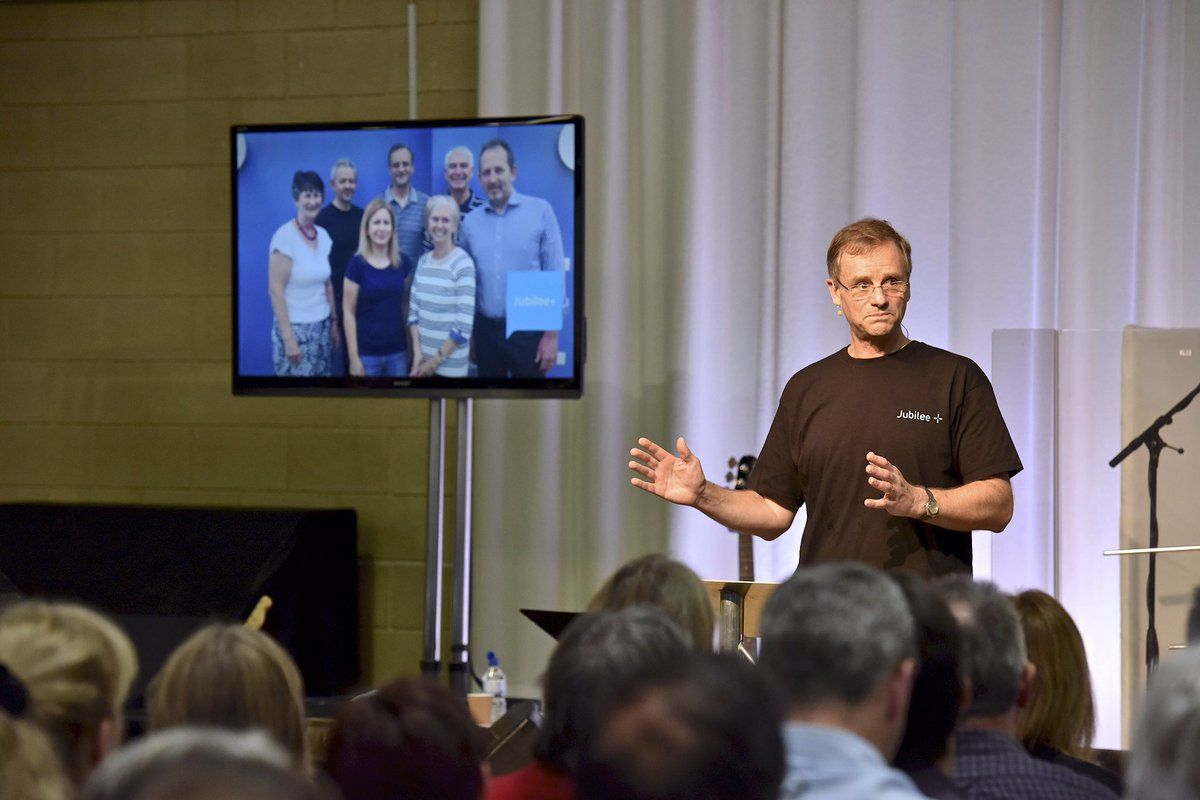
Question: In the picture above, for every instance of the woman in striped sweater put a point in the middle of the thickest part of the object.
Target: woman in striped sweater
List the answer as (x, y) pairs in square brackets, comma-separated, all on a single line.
[(441, 309)]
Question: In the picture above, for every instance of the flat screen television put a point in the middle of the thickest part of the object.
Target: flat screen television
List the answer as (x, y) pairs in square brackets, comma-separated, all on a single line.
[(429, 258)]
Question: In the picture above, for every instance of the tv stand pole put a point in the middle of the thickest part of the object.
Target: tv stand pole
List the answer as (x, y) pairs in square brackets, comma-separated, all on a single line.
[(459, 665), (432, 650), (460, 626)]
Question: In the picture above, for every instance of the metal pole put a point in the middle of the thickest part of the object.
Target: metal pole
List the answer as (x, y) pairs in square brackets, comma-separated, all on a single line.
[(430, 658), (460, 656)]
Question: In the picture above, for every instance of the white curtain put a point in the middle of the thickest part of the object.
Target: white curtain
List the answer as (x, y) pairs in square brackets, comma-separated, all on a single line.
[(1041, 156)]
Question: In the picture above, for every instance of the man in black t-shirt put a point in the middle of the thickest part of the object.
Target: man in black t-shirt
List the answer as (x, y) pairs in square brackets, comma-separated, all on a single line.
[(342, 220), (896, 449)]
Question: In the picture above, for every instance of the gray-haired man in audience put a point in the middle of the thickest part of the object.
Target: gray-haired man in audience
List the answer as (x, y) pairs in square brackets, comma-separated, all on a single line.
[(1163, 765), (989, 761), (838, 640)]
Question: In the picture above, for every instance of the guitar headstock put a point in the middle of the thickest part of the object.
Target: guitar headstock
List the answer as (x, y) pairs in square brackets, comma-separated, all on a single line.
[(738, 476)]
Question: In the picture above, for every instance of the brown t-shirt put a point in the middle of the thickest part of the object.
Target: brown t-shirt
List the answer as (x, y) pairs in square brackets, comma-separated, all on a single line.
[(930, 412)]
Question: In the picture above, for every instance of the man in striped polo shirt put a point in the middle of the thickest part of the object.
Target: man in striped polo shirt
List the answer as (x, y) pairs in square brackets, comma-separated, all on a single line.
[(408, 203)]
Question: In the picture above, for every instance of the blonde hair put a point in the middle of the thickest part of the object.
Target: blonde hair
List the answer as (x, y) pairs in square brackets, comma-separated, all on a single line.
[(229, 676), (668, 585), (77, 667), (364, 241), (29, 767), (1060, 714)]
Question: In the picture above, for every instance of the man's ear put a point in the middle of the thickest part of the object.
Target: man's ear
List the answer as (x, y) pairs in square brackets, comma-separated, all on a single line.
[(1025, 684), (900, 689), (967, 697)]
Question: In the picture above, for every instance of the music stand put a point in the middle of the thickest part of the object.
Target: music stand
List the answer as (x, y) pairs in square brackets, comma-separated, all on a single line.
[(738, 605), (1151, 439), (1152, 633), (552, 622)]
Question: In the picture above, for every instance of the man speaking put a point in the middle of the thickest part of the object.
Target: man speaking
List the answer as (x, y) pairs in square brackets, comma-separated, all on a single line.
[(896, 448)]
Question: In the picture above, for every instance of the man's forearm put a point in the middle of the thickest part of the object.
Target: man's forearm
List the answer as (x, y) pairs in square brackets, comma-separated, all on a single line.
[(980, 505), (745, 511)]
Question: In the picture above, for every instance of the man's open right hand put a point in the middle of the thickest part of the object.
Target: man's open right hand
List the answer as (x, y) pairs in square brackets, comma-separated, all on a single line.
[(677, 478)]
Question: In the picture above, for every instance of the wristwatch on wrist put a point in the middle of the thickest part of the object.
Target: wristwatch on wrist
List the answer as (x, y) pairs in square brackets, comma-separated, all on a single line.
[(931, 506)]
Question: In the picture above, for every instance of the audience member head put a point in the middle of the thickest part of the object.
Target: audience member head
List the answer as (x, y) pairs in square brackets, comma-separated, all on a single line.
[(838, 641), (667, 584), (230, 676), (410, 739), (704, 728), (1059, 714), (200, 764), (29, 767), (76, 667), (937, 694), (993, 645), (1166, 739), (862, 237), (595, 655)]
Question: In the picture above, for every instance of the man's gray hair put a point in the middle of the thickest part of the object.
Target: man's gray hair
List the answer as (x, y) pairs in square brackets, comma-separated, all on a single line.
[(596, 653), (187, 762), (462, 148), (992, 639), (341, 162), (833, 632), (1163, 764)]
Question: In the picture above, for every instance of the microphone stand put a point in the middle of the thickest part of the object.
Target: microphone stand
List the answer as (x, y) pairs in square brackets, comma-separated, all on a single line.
[(1152, 439)]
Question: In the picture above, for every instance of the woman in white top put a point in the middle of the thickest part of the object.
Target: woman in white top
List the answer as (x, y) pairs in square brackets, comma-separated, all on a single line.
[(305, 330), (441, 308)]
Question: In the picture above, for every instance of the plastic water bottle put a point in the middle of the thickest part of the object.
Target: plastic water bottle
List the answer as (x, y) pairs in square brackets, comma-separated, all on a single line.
[(495, 684)]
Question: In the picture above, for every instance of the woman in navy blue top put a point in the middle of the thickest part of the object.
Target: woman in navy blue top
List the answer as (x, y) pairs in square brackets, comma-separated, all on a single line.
[(373, 297)]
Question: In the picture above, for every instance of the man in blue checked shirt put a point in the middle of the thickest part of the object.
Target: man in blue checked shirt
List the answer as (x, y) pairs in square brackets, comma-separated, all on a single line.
[(511, 231)]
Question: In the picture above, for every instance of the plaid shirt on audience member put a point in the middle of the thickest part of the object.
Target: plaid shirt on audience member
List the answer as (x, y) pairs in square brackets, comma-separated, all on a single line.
[(995, 766)]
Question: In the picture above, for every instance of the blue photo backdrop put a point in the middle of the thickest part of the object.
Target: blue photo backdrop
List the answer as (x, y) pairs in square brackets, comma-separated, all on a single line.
[(264, 202)]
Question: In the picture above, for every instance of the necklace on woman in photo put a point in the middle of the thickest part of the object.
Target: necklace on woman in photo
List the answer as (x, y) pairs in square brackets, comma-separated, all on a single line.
[(312, 237)]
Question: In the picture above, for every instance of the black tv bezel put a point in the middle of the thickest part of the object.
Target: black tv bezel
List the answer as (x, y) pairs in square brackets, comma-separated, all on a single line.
[(433, 387)]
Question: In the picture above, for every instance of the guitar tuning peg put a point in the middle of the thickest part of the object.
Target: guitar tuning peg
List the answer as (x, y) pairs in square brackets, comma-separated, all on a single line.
[(728, 477), (731, 463)]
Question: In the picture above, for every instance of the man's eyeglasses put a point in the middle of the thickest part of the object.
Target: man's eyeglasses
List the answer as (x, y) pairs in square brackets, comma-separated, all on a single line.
[(862, 290)]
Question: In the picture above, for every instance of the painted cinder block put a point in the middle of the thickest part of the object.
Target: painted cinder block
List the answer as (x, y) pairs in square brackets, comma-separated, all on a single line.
[(26, 138), (340, 63), (40, 72), (337, 460), (140, 69), (409, 460), (92, 20), (28, 265), (239, 458), (143, 456), (188, 17), (390, 527), (24, 21), (236, 65), (47, 455), (449, 57), (282, 15)]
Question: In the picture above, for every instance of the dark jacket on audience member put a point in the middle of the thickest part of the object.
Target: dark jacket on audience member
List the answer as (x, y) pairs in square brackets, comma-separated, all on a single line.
[(995, 766), (1086, 768)]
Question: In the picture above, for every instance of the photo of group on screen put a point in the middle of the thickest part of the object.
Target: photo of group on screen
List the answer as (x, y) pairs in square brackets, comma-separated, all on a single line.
[(415, 285)]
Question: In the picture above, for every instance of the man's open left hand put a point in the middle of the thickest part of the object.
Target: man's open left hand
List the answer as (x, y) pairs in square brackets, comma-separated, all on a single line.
[(900, 498)]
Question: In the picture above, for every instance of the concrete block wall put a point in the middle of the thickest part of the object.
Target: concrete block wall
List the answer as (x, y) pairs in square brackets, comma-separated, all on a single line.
[(115, 264)]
